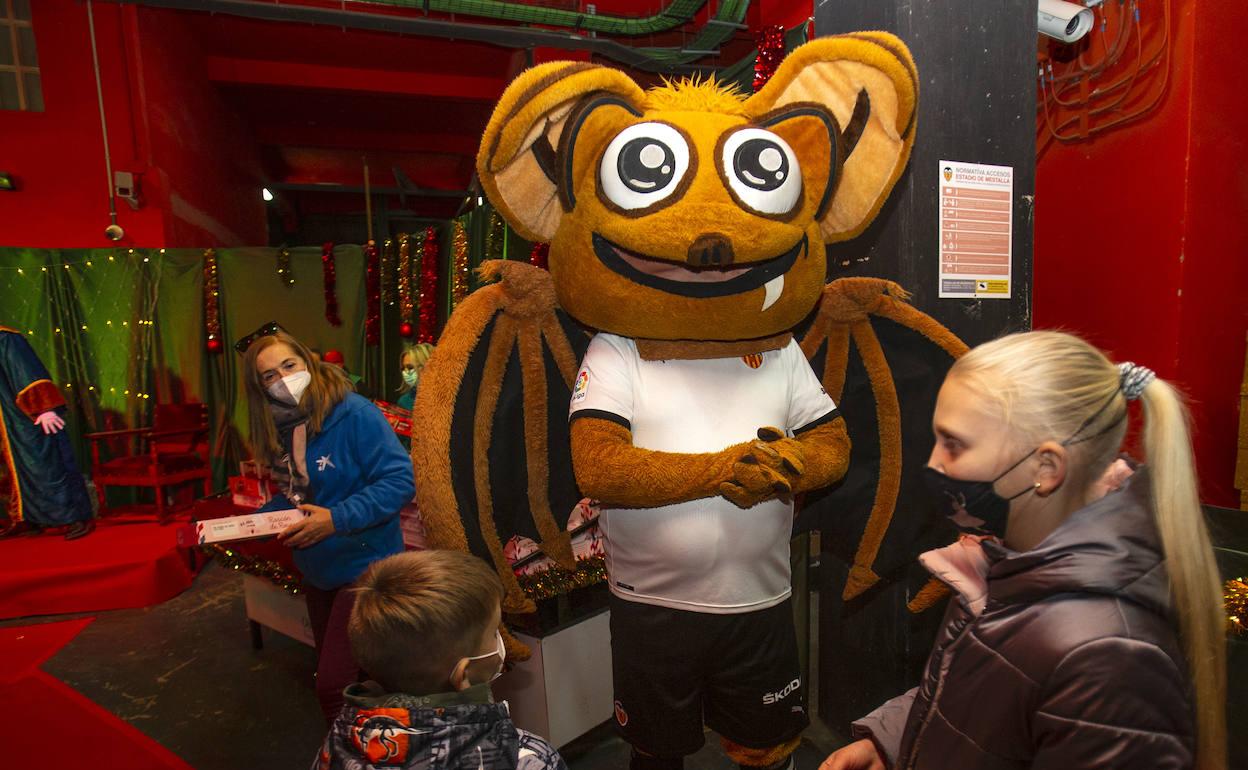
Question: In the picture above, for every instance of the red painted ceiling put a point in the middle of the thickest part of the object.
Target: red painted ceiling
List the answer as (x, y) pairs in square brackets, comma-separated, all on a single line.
[(320, 100)]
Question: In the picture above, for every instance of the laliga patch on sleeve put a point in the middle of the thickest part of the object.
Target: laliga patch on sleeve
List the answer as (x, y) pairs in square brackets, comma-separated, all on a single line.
[(581, 387)]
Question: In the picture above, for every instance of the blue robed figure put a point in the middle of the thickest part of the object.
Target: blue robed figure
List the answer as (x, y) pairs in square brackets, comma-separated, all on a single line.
[(44, 486)]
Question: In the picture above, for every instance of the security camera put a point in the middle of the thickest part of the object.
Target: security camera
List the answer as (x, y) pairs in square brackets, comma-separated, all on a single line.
[(1064, 21), (114, 233)]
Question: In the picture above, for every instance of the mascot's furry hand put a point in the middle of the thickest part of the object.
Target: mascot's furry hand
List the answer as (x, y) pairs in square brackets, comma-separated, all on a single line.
[(769, 469)]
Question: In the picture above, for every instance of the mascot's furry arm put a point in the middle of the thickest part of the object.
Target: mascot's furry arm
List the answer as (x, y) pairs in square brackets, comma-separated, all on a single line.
[(691, 220), (610, 469)]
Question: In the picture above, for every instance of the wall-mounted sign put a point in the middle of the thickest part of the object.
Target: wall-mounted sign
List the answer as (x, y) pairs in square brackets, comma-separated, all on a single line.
[(976, 223)]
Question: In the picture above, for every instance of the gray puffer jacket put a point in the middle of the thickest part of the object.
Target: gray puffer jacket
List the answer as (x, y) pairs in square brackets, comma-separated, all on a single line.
[(1065, 658)]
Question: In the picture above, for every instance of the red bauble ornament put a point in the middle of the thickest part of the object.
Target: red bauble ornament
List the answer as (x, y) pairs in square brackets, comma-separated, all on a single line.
[(214, 345), (406, 329)]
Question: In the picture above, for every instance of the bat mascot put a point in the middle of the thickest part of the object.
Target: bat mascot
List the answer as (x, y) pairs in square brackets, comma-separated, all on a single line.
[(686, 324)]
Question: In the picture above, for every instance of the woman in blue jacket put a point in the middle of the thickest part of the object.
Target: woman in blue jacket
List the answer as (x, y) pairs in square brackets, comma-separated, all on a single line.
[(334, 456)]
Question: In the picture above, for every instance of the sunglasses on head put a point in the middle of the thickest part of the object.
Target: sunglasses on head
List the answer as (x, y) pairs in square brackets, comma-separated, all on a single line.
[(268, 330)]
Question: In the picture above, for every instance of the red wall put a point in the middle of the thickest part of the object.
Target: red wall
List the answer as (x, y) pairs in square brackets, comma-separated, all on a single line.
[(1141, 235), (200, 168)]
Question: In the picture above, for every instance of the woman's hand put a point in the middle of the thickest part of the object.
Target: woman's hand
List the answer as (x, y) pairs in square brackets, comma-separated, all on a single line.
[(317, 526), (859, 755)]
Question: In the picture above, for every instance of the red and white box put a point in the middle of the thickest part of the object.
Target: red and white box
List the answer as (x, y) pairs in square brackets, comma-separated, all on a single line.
[(399, 418), (247, 527), (412, 527), (250, 491)]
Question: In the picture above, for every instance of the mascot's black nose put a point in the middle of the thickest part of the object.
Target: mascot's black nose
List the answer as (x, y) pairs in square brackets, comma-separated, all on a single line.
[(710, 250)]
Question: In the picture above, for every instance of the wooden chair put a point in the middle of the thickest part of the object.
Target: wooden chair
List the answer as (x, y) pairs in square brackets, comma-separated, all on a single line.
[(172, 452)]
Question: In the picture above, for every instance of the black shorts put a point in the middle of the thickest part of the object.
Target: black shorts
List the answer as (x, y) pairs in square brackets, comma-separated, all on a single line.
[(675, 670)]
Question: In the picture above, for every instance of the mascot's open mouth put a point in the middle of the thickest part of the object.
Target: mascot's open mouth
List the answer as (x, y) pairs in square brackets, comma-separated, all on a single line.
[(675, 278)]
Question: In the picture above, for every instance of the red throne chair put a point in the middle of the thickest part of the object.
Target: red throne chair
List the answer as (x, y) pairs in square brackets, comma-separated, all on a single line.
[(173, 452)]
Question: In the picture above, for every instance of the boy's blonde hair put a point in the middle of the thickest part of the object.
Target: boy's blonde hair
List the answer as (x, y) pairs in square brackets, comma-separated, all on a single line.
[(417, 613), (1049, 386)]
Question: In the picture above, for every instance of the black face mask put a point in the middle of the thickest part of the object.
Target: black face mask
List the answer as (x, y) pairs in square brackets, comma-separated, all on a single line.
[(974, 507)]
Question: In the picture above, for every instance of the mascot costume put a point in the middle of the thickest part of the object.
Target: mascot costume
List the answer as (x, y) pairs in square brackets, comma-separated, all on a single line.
[(686, 321)]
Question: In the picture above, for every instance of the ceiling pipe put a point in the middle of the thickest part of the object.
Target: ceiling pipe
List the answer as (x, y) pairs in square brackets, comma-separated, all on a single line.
[(676, 14), (504, 36)]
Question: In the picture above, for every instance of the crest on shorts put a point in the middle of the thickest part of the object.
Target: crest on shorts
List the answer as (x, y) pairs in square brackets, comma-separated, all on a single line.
[(753, 360)]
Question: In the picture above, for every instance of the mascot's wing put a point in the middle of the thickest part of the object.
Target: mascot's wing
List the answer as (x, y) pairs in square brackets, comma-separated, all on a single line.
[(492, 450), (882, 361)]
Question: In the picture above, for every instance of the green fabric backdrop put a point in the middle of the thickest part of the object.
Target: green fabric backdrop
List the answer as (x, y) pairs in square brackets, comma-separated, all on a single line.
[(114, 326)]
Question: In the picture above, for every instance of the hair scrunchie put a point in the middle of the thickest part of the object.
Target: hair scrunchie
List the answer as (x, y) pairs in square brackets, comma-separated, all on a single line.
[(1133, 379)]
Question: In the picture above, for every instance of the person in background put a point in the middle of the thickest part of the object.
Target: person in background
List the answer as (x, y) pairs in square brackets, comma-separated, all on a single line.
[(41, 480), (333, 456), (412, 363), (336, 358), (1086, 626), (425, 627)]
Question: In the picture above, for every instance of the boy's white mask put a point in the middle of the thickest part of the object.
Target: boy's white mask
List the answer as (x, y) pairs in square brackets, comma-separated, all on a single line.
[(500, 650)]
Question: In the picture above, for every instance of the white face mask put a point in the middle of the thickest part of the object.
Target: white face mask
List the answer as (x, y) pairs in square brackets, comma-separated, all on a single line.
[(411, 376), (500, 651), (291, 387)]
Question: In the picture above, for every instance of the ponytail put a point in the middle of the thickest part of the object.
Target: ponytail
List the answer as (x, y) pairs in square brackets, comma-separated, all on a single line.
[(1195, 585)]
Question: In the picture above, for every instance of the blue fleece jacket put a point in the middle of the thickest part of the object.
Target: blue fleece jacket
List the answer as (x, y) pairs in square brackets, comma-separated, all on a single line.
[(359, 471)]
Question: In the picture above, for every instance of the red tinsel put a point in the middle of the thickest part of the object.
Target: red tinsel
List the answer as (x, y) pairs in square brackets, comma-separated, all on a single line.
[(540, 255), (428, 331), (331, 281), (212, 302), (771, 52), (372, 267)]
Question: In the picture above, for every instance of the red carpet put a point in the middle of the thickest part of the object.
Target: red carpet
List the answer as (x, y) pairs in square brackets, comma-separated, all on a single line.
[(46, 723), (119, 565)]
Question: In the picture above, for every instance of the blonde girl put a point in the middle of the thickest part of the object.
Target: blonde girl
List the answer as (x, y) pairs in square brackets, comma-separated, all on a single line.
[(1086, 627)]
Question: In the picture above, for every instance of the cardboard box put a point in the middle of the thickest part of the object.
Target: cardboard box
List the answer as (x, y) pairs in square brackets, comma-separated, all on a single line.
[(246, 527)]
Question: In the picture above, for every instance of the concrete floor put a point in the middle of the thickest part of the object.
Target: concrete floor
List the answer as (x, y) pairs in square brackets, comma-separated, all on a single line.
[(185, 674)]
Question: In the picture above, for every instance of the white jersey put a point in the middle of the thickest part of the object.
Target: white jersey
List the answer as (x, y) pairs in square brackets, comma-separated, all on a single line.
[(704, 555)]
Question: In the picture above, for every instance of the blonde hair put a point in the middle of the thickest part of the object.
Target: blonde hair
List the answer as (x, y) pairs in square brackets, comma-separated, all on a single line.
[(1049, 385), (329, 386), (420, 353), (417, 614)]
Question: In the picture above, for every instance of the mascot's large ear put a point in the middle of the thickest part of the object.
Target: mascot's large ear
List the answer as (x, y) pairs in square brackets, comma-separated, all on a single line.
[(870, 84), (519, 161)]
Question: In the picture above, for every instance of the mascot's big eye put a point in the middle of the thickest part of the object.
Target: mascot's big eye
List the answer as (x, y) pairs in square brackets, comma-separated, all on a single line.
[(762, 171), (643, 165)]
